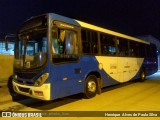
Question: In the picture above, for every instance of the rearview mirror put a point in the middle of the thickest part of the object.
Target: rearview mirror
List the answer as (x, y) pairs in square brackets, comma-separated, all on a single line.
[(6, 40), (6, 45)]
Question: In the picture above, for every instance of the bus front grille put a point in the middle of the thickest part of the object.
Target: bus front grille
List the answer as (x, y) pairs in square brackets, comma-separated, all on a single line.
[(23, 89), (26, 75)]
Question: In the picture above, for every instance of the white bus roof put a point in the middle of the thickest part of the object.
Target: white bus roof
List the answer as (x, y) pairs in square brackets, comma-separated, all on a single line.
[(96, 28), (93, 27)]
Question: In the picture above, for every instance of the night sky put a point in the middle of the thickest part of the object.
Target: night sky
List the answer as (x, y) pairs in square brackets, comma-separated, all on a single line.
[(132, 17)]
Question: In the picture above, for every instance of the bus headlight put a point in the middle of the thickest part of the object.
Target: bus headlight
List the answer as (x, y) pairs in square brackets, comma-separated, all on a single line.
[(41, 79)]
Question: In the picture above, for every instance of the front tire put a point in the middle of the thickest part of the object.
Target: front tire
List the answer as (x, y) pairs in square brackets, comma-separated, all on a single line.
[(91, 86)]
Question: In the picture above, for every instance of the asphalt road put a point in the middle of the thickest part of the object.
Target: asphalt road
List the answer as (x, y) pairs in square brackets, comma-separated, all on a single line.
[(130, 96)]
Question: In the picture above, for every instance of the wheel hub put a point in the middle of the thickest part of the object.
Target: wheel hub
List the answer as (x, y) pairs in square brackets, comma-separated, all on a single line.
[(91, 86)]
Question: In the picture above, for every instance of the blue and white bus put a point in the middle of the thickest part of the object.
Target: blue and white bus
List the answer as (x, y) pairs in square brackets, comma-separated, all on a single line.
[(56, 56)]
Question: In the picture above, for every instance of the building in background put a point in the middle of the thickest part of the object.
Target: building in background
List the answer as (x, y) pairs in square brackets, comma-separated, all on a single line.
[(154, 40), (6, 57)]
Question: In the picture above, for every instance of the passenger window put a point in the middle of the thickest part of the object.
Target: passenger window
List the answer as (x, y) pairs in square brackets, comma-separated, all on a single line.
[(64, 46), (89, 41), (122, 47), (133, 48), (108, 45)]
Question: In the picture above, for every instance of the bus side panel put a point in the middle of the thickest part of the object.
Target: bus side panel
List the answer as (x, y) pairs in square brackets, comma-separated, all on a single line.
[(120, 69), (90, 64), (68, 79), (65, 79), (150, 65)]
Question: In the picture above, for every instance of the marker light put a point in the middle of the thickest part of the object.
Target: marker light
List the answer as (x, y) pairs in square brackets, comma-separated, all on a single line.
[(38, 93)]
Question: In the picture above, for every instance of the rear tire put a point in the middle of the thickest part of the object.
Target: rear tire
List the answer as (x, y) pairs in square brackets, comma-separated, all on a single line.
[(143, 76), (91, 87)]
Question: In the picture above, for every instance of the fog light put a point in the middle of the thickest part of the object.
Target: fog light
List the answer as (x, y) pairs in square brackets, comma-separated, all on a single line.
[(38, 93)]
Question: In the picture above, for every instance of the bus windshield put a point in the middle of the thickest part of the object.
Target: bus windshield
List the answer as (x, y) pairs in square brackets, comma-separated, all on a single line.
[(31, 48)]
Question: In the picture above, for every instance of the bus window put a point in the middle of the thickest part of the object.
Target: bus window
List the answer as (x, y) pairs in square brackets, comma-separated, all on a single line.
[(89, 41), (86, 41), (64, 46), (122, 47), (94, 42), (71, 43), (142, 50), (108, 45), (133, 48)]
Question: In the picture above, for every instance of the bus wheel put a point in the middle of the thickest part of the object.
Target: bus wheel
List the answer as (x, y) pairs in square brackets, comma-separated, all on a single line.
[(142, 76), (91, 86)]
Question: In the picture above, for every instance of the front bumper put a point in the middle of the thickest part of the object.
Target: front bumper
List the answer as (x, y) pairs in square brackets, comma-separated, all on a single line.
[(42, 92)]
